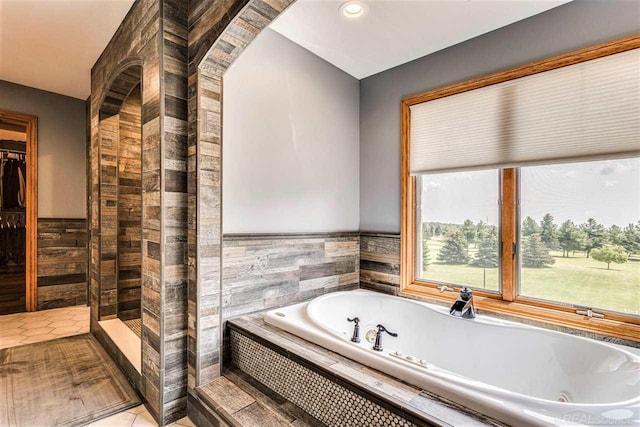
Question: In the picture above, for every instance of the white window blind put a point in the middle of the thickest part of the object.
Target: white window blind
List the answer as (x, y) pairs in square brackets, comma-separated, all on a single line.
[(586, 110)]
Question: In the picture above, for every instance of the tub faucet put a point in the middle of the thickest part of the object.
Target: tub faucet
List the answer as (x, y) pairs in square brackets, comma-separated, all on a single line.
[(378, 344), (463, 307), (356, 329)]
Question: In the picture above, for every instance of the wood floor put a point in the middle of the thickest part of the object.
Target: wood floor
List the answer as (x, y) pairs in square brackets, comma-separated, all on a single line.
[(13, 296), (68, 381)]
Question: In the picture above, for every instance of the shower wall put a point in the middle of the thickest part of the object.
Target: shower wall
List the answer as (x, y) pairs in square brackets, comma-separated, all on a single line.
[(130, 207)]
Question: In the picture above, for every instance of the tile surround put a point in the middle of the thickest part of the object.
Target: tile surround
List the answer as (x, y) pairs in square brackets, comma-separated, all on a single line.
[(218, 33), (129, 203), (327, 401), (263, 271), (380, 262), (411, 403), (149, 46)]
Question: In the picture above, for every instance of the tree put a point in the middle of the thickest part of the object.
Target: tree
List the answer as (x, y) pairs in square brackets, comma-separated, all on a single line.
[(426, 236), (609, 254), (427, 230), (437, 230), (595, 235), (482, 230), (487, 256), (549, 232), (571, 238), (615, 235), (454, 250), (631, 241), (469, 231), (535, 253), (425, 254), (529, 227)]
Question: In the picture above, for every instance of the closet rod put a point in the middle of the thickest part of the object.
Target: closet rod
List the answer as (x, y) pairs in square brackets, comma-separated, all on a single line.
[(13, 146), (6, 150)]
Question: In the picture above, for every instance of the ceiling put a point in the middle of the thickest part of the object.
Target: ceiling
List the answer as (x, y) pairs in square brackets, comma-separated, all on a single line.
[(394, 32), (52, 45)]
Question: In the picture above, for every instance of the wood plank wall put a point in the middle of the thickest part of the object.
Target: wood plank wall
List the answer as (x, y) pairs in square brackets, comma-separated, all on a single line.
[(62, 262), (154, 35), (218, 32), (264, 271), (130, 207), (260, 272), (380, 262)]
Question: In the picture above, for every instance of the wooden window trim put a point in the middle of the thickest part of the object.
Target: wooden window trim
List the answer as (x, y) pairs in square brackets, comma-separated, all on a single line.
[(508, 302), (31, 199)]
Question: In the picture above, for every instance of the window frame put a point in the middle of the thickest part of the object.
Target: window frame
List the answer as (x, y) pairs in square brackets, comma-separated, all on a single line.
[(507, 301)]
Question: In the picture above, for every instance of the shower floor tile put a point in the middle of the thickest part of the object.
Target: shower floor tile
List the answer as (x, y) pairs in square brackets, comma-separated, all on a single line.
[(135, 325), (27, 328)]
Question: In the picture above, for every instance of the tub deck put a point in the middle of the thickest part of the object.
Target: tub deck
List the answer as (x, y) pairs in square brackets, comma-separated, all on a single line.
[(420, 406)]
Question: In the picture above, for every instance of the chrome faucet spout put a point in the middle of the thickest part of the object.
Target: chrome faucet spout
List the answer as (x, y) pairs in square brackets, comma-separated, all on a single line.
[(463, 306)]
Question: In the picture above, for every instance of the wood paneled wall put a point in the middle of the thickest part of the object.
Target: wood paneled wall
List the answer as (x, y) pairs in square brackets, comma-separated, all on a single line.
[(152, 36), (130, 207), (380, 262), (263, 271), (62, 262), (218, 32)]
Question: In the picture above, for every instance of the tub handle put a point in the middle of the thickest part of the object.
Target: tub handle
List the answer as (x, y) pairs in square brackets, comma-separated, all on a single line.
[(378, 344), (356, 329)]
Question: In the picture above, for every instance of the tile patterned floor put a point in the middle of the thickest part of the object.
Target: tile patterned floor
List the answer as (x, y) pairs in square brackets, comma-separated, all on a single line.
[(28, 328), (136, 417)]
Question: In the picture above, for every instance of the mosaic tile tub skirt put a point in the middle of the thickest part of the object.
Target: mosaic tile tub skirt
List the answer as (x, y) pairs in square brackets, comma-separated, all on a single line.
[(326, 400)]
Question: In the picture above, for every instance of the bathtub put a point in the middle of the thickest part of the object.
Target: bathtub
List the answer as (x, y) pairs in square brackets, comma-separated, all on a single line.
[(518, 374)]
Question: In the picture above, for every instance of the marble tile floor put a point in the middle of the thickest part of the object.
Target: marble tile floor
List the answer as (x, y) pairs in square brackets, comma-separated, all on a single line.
[(136, 417), (28, 328)]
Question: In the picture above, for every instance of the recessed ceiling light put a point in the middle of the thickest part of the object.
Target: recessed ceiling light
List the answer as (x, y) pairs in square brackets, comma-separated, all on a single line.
[(353, 9)]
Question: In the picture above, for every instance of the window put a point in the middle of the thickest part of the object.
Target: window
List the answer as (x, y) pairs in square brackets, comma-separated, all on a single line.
[(580, 234), (525, 185), (458, 229)]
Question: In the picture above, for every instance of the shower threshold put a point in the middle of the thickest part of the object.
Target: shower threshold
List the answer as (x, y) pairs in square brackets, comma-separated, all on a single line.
[(125, 339), (135, 325)]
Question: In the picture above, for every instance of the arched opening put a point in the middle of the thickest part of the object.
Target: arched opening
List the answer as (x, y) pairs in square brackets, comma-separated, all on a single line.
[(129, 202), (120, 213)]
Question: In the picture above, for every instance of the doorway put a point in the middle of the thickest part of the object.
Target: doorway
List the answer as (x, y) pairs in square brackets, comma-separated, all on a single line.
[(120, 218), (18, 212)]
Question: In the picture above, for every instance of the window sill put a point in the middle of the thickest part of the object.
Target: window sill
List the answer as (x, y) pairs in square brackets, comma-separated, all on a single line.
[(529, 311)]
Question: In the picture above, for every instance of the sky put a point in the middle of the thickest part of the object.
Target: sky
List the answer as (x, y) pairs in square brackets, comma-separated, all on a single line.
[(608, 191)]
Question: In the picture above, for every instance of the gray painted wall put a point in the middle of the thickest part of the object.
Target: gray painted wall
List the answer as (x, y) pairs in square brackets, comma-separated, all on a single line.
[(569, 27), (62, 145), (291, 142)]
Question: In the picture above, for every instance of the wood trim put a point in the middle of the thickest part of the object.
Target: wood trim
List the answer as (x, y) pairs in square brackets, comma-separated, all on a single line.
[(509, 227), (570, 58), (569, 308), (31, 125), (520, 309), (407, 206), (508, 302)]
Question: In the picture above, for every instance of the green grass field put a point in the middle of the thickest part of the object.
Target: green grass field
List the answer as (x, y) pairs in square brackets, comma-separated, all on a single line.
[(577, 280)]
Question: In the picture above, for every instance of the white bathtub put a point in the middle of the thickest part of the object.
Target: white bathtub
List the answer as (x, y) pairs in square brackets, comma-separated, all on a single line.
[(514, 373)]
